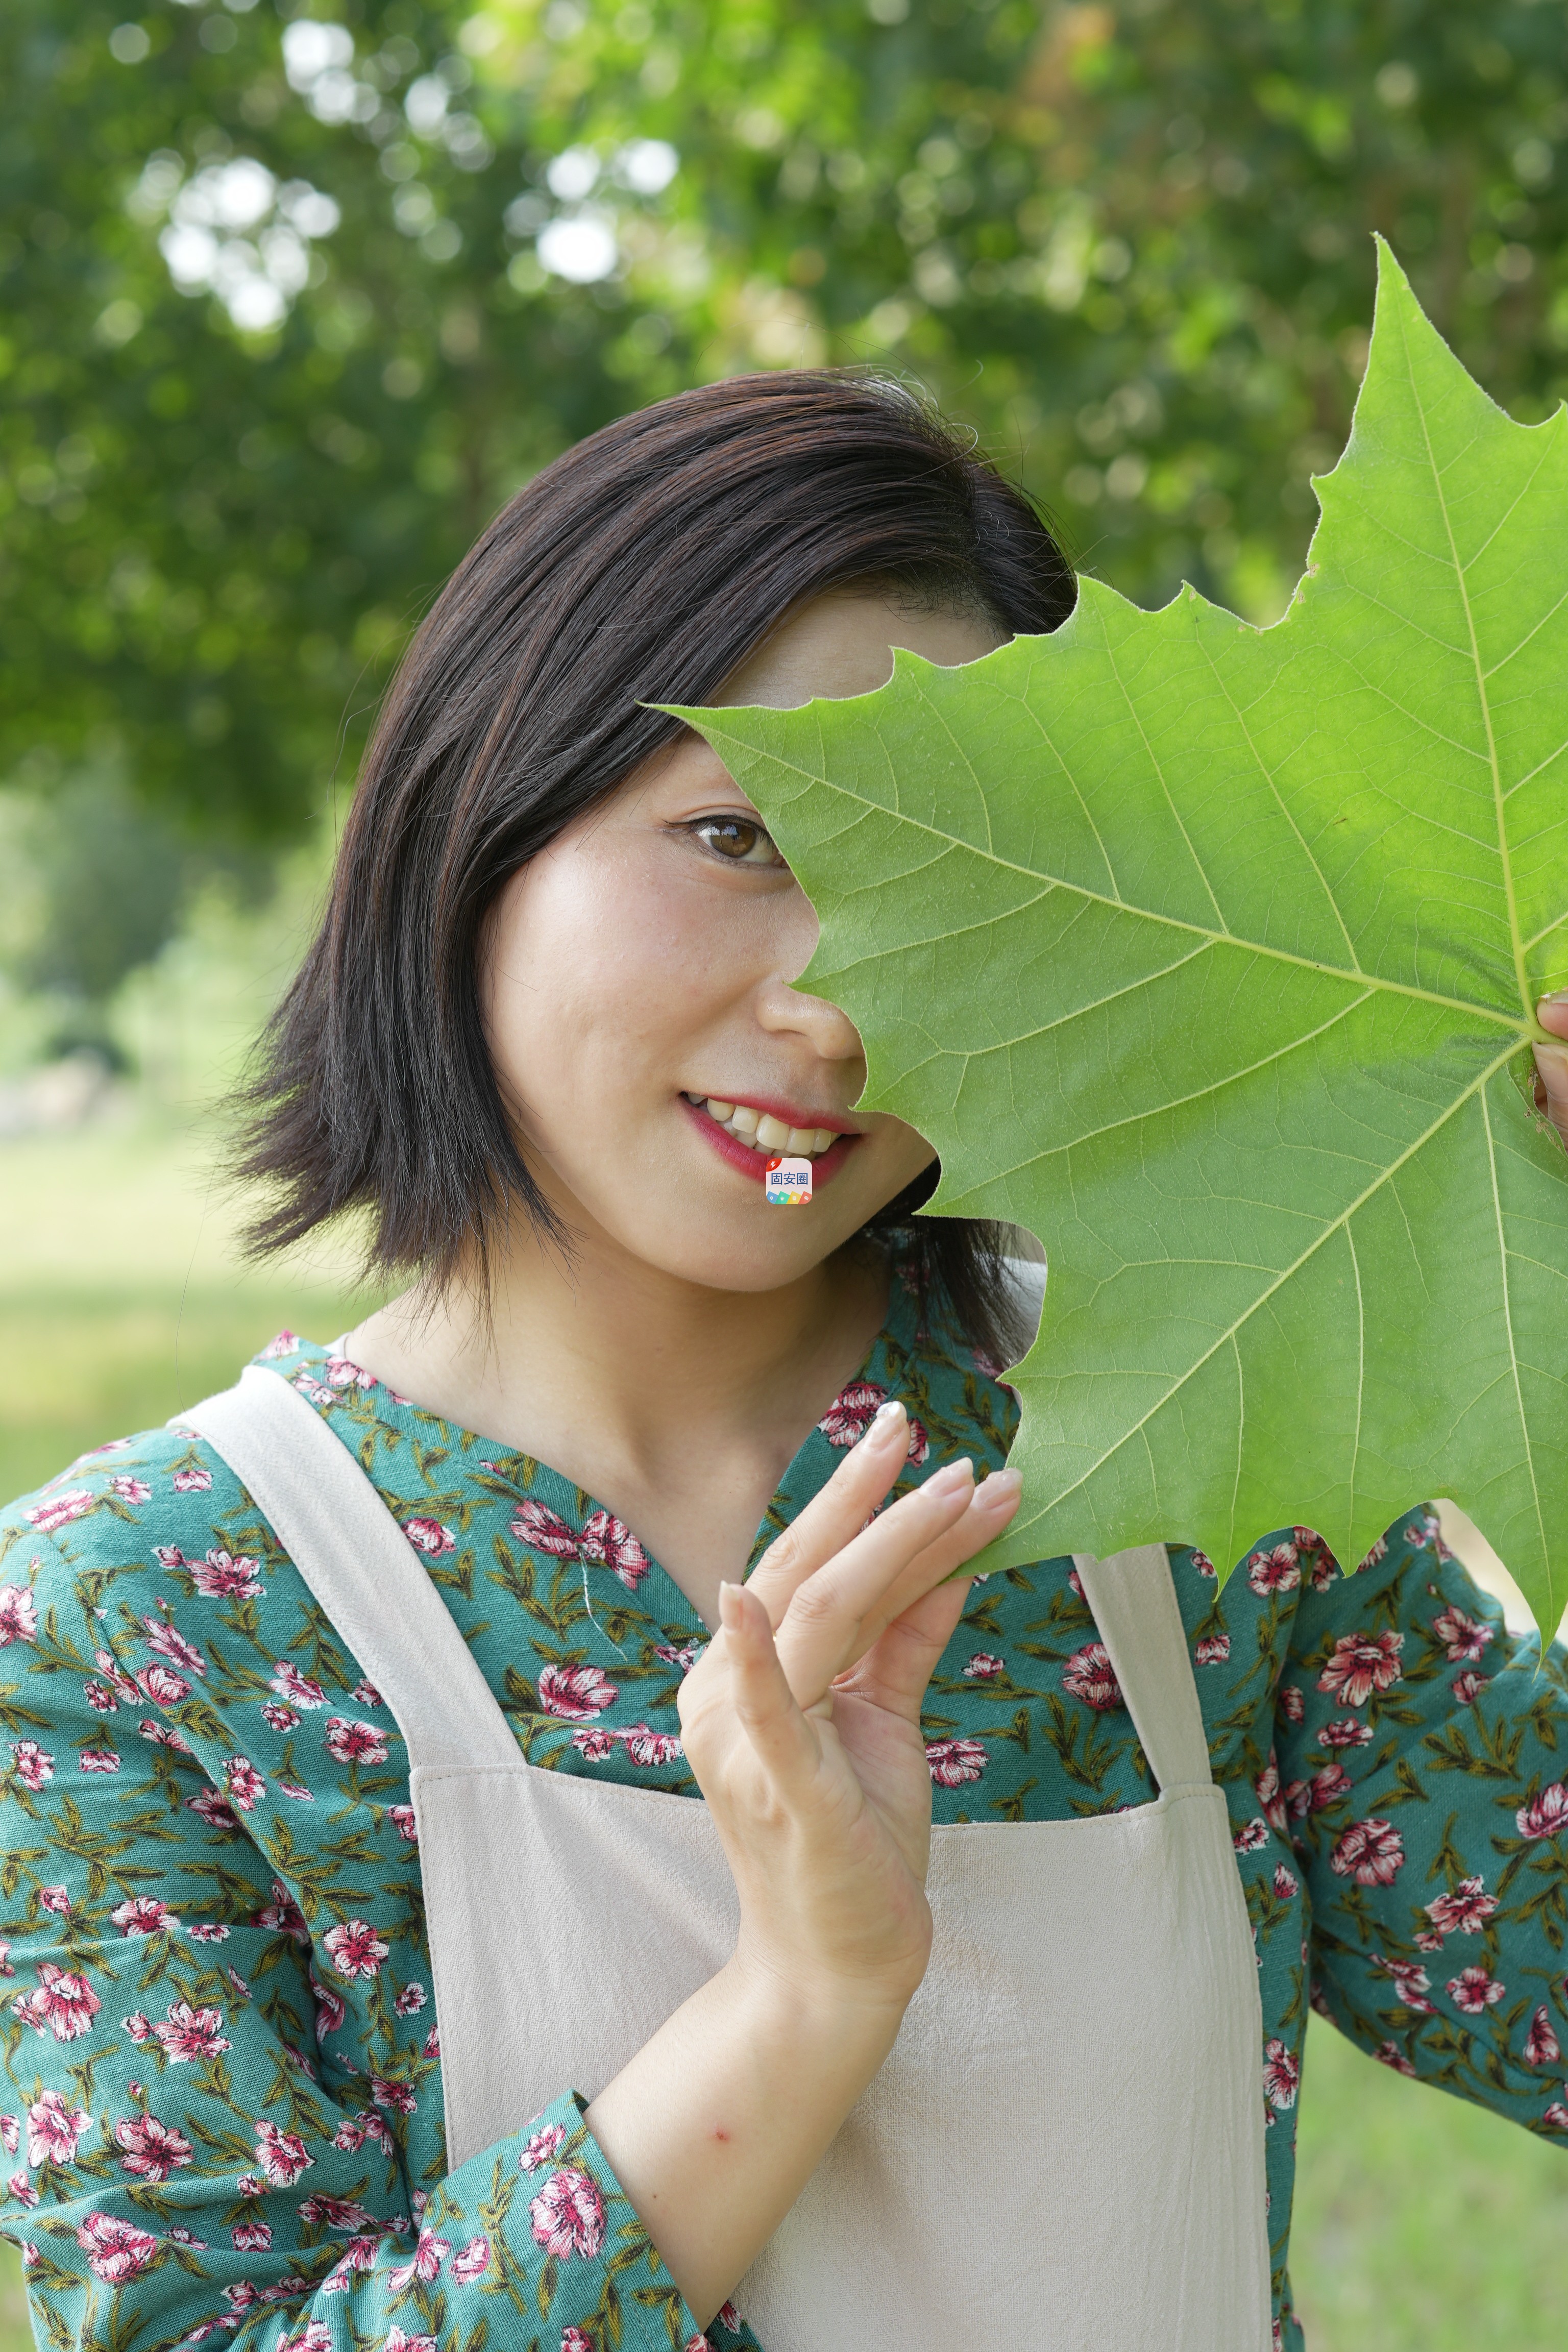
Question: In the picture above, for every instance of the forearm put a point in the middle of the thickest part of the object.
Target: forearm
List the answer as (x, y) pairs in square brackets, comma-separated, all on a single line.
[(717, 2124)]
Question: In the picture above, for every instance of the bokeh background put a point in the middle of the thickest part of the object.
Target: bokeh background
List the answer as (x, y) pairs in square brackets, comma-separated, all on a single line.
[(293, 293)]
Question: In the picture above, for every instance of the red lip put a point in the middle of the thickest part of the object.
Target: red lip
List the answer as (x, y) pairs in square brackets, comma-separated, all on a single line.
[(755, 1164)]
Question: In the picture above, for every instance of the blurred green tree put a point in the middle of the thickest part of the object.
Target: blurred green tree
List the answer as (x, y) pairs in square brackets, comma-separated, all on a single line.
[(292, 295)]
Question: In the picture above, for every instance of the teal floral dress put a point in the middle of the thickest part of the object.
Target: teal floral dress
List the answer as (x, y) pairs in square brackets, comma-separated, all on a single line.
[(223, 2120)]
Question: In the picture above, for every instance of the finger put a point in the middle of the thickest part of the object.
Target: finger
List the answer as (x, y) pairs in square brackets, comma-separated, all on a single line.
[(992, 1510), (913, 1546), (1552, 1065), (1553, 1098), (782, 1742), (835, 1515), (895, 1671)]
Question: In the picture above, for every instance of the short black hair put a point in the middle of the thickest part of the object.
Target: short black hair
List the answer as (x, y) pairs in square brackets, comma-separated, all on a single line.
[(641, 567)]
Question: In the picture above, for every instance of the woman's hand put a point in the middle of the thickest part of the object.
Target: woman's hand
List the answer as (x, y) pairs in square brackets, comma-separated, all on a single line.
[(1551, 1063), (802, 1722)]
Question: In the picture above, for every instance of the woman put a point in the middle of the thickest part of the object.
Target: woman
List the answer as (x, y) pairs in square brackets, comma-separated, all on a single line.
[(380, 1978)]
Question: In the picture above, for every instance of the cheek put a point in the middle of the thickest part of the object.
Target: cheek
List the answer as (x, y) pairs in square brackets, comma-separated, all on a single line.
[(599, 977)]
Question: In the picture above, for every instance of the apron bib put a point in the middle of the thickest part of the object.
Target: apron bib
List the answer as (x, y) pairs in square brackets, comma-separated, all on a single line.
[(1063, 2150)]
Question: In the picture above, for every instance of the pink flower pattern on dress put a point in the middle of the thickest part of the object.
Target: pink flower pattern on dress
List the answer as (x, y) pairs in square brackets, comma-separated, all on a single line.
[(645, 1746), (568, 2214), (18, 1615), (544, 1530), (356, 1949), (577, 1694), (188, 2034), (172, 1645), (1275, 1571), (472, 2261), (1465, 1912), (153, 2151), (355, 1743), (1362, 1664), (1089, 1676), (295, 1689), (1545, 1816), (116, 2250), (243, 1783), (163, 1685), (1370, 1851), (64, 2004), (951, 1762), (540, 2147), (610, 1543), (429, 1537), (53, 2129), (1282, 2075), (282, 2154), (1475, 1989), (61, 1509), (34, 1764), (144, 1914), (221, 1576), (1541, 2047), (1412, 1982), (1465, 1637)]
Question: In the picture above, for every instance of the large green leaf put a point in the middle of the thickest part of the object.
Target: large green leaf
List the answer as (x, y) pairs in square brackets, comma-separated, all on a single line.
[(1210, 954)]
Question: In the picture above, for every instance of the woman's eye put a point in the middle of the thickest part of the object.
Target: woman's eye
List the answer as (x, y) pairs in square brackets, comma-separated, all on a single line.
[(739, 839)]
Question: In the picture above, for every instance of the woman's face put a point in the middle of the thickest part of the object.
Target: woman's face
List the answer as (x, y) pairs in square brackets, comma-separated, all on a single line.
[(638, 984)]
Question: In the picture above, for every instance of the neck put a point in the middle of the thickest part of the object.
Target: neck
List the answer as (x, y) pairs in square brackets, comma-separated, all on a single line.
[(677, 1405)]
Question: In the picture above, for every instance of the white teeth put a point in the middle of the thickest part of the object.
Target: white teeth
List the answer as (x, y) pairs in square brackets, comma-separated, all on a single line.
[(762, 1132)]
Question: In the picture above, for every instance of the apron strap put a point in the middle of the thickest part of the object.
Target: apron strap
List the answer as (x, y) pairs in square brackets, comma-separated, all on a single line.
[(360, 1567), (1134, 1597)]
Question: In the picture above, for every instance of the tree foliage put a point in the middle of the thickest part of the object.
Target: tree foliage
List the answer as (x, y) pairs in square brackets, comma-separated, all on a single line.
[(1131, 244)]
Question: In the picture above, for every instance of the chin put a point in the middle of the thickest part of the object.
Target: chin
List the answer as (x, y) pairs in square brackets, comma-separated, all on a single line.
[(738, 1260)]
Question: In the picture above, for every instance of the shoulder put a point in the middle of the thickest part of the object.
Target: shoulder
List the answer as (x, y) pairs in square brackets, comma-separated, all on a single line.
[(136, 1500), (160, 1498)]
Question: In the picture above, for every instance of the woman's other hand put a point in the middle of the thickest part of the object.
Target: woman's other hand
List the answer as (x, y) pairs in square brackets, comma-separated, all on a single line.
[(1551, 1063), (802, 1722)]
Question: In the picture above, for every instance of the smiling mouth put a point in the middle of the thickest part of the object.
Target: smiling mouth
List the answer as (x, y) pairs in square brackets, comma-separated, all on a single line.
[(764, 1134)]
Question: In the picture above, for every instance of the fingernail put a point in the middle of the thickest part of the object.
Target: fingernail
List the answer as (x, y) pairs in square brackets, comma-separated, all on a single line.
[(1558, 996), (1000, 1486), (885, 1420), (948, 1482), (729, 1605)]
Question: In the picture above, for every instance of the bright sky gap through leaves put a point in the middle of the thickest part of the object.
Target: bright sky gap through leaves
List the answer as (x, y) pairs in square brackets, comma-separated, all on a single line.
[(1210, 954)]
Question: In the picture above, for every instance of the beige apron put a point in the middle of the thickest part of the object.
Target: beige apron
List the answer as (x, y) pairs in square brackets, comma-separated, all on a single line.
[(1063, 2151)]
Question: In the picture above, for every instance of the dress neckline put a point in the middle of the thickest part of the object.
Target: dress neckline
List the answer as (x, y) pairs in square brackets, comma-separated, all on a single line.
[(557, 1517)]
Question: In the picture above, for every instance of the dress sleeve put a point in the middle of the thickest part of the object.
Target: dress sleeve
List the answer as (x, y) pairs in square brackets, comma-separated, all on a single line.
[(1423, 1755), (197, 2147)]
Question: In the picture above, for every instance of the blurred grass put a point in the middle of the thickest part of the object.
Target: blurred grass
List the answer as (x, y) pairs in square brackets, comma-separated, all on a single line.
[(1420, 2226), (122, 1297)]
